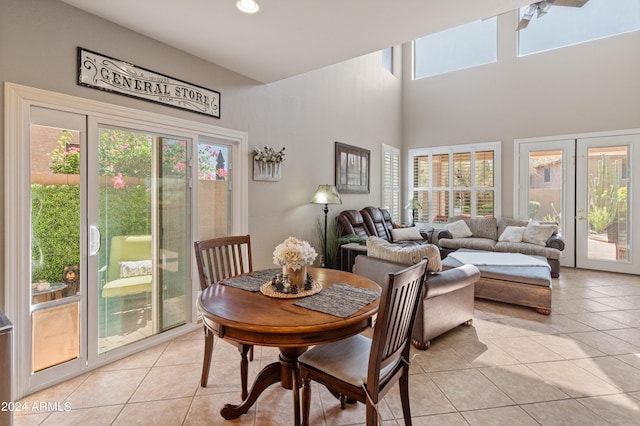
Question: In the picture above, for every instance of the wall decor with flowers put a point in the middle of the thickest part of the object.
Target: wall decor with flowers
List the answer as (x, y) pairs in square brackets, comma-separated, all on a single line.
[(267, 163)]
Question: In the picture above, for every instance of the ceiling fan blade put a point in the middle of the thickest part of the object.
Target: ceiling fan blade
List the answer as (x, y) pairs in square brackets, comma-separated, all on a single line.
[(523, 24), (570, 3), (526, 17)]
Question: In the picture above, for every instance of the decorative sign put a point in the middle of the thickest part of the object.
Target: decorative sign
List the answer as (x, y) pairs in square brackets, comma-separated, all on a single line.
[(104, 73)]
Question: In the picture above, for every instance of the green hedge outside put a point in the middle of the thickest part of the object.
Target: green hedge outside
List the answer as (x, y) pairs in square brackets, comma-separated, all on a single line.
[(55, 225)]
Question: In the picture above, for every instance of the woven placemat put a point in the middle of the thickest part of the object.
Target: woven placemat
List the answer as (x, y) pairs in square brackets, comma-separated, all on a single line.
[(340, 300), (252, 281), (268, 290)]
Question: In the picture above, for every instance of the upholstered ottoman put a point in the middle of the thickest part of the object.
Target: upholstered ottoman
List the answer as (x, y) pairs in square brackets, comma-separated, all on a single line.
[(508, 277)]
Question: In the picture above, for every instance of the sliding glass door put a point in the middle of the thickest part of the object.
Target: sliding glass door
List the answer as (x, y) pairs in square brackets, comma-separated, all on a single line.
[(102, 206), (141, 236)]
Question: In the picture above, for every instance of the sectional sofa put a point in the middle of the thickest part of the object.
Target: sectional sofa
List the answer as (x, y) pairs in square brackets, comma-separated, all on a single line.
[(504, 235)]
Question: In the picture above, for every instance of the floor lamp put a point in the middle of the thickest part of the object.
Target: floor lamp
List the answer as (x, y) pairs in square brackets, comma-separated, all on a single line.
[(326, 194), (413, 205)]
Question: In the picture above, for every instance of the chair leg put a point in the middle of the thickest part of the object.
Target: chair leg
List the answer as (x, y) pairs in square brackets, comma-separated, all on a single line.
[(372, 414), (206, 362), (251, 354), (306, 400), (404, 396), (244, 370), (295, 390)]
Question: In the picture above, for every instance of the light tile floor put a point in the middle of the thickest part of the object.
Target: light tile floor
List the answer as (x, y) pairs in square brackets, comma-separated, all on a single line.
[(580, 365)]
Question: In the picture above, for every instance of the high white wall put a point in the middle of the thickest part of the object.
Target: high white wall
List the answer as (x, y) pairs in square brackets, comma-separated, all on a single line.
[(355, 102), (591, 87)]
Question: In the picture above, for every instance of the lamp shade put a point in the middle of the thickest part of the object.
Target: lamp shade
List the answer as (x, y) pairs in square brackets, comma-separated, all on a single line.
[(326, 194), (413, 204)]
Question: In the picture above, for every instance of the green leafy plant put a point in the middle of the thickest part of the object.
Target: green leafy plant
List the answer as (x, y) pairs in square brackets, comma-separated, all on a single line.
[(65, 159), (603, 195), (333, 241)]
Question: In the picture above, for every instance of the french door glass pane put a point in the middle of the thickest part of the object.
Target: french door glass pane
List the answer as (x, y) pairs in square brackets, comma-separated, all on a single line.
[(607, 208), (55, 245), (545, 186)]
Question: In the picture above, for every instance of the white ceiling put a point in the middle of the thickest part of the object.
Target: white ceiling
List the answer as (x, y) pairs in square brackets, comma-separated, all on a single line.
[(289, 37)]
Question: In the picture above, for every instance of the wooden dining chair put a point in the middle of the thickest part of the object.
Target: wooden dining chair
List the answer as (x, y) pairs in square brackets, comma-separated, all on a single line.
[(363, 369), (217, 259)]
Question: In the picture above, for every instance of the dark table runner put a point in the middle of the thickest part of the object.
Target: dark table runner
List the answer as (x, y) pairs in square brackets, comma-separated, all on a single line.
[(340, 300), (252, 281)]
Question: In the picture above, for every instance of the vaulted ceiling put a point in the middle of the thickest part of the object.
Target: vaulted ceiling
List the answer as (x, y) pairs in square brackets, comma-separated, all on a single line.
[(289, 37)]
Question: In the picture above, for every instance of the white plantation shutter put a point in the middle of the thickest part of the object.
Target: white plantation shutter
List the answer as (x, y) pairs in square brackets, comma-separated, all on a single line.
[(455, 181), (391, 181)]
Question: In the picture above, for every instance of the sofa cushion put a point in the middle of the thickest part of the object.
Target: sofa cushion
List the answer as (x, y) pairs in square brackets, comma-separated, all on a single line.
[(135, 268), (538, 234), (402, 234), (527, 248), (483, 227), (127, 286), (458, 229), (471, 243), (406, 255), (504, 222), (512, 234)]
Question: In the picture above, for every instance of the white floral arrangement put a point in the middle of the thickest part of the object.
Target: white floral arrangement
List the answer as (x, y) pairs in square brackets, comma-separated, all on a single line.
[(294, 254), (268, 155)]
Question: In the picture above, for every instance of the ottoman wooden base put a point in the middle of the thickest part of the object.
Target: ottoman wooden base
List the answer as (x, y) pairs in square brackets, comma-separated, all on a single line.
[(521, 285), (511, 292)]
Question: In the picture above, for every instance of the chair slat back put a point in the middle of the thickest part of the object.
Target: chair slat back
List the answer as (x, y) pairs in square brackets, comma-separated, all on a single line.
[(223, 257), (396, 315)]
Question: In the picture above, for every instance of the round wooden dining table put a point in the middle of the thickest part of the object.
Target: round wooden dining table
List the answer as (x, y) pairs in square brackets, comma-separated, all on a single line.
[(253, 318)]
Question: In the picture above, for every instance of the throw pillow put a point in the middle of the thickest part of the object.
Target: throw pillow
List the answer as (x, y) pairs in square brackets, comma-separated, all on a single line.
[(538, 234), (458, 229), (135, 268), (512, 234), (404, 234), (383, 249)]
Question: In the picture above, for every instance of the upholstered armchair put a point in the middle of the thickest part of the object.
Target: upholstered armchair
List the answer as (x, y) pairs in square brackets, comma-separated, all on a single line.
[(447, 299)]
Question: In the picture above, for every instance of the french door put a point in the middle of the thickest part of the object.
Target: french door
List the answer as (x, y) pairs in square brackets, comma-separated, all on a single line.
[(607, 197), (585, 185), (546, 191)]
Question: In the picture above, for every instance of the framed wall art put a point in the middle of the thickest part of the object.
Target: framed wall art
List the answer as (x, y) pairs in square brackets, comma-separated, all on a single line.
[(352, 169)]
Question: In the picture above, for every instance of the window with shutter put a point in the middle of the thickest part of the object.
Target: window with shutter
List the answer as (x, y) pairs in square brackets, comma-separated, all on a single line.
[(455, 181)]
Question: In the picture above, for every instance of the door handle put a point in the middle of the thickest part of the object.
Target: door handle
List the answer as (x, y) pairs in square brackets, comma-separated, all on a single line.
[(94, 240)]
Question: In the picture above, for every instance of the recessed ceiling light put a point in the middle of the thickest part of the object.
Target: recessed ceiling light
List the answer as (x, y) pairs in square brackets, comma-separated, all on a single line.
[(248, 6)]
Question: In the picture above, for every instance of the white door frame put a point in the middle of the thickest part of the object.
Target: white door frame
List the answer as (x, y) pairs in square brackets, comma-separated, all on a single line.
[(568, 256), (632, 264), (18, 101)]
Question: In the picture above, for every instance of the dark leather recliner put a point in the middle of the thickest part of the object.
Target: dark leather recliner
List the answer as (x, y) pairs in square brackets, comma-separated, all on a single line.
[(350, 222), (378, 222)]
